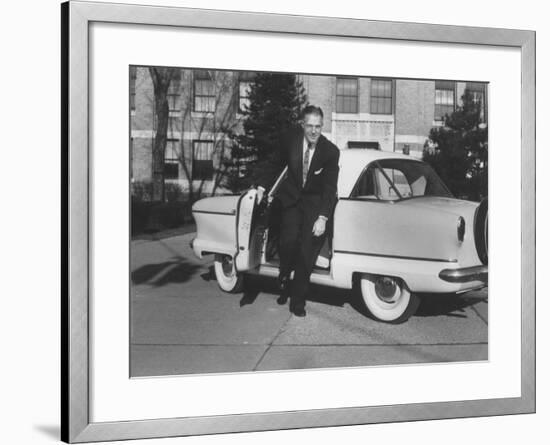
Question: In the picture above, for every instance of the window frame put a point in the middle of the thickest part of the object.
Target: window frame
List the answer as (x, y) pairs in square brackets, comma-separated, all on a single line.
[(171, 160), (243, 77), (193, 160), (203, 75), (479, 88), (372, 96), (356, 95), (446, 85)]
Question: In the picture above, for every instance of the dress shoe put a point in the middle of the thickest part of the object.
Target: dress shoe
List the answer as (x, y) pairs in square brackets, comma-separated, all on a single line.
[(299, 312), (283, 298)]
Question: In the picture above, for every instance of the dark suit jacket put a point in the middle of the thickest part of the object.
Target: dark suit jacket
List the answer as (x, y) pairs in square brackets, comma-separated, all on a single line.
[(318, 195)]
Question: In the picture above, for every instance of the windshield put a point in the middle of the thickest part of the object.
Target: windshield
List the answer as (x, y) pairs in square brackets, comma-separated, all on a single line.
[(392, 179)]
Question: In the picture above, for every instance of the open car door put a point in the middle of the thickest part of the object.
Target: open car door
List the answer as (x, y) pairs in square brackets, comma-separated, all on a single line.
[(251, 228), (249, 233)]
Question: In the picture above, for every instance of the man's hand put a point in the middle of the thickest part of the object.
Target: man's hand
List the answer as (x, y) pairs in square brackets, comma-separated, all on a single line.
[(259, 194), (319, 226)]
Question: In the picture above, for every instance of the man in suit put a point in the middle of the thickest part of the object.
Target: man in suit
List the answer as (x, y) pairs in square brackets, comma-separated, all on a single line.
[(307, 196)]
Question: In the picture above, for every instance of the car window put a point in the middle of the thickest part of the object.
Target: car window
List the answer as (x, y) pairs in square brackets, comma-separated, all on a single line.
[(365, 187), (397, 177), (418, 186), (385, 189), (393, 179)]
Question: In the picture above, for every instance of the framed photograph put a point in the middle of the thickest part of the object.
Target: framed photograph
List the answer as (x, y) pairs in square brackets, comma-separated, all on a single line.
[(276, 222)]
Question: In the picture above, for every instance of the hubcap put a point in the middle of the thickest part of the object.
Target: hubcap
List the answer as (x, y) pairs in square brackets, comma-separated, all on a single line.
[(386, 289), (227, 266)]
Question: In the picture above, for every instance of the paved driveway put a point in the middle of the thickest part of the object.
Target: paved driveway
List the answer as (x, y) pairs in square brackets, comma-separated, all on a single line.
[(182, 323)]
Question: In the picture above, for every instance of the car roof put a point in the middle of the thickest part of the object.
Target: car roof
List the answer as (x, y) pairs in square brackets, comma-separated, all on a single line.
[(354, 160)]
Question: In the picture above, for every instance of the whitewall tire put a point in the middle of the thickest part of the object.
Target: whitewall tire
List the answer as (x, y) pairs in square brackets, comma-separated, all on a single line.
[(388, 298), (227, 276)]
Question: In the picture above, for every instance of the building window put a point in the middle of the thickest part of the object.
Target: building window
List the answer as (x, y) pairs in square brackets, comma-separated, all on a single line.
[(133, 78), (381, 96), (173, 94), (171, 159), (204, 92), (444, 99), (477, 91), (244, 91), (245, 81), (203, 164), (347, 95)]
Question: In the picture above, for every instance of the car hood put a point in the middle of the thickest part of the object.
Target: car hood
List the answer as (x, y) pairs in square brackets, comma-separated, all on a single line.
[(458, 207)]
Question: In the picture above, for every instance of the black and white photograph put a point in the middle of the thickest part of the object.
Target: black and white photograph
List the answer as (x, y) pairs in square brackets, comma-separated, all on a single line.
[(286, 221), (271, 223)]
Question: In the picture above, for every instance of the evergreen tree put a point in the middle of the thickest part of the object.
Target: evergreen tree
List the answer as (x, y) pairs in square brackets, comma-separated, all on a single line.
[(458, 150), (275, 104)]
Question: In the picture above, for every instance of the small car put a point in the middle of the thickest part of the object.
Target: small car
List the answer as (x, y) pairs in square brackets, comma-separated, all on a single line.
[(396, 232)]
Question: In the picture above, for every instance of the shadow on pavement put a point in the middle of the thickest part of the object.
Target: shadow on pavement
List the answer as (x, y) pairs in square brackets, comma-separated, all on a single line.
[(451, 305), (249, 296), (319, 294), (431, 305), (210, 275), (253, 285), (339, 297), (177, 270)]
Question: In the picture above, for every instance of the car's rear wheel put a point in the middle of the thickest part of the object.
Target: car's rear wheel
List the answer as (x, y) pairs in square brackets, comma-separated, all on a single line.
[(388, 298), (227, 276)]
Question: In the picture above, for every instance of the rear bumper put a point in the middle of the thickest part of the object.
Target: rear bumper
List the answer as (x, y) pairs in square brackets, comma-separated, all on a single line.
[(465, 275)]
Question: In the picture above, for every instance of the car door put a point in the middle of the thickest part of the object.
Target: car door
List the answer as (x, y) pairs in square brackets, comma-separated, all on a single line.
[(251, 227), (250, 232)]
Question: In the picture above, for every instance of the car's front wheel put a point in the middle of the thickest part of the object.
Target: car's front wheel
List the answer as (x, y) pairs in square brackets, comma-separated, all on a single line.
[(227, 276), (388, 298)]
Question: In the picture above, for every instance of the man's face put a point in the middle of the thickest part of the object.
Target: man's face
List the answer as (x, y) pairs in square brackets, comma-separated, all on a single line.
[(312, 125)]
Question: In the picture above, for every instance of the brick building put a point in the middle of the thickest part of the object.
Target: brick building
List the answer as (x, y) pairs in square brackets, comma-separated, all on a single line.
[(360, 112)]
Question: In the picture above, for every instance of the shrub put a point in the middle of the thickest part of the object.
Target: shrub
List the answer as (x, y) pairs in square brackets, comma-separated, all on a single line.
[(141, 191), (173, 192)]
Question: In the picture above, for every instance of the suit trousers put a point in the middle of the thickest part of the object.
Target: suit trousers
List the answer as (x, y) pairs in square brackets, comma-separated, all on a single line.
[(298, 250)]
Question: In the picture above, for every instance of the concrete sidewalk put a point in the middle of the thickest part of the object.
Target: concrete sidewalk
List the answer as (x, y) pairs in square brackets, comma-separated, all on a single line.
[(182, 323)]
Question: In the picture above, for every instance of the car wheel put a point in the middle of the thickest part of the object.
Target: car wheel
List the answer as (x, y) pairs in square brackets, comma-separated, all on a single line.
[(227, 276), (387, 298)]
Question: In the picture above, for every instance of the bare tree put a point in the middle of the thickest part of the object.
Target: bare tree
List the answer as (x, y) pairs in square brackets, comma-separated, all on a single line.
[(214, 126), (161, 82)]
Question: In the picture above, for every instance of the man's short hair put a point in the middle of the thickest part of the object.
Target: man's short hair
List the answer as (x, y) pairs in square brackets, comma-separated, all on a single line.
[(311, 109)]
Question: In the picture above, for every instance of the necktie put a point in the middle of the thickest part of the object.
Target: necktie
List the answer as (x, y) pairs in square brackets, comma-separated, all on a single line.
[(310, 146)]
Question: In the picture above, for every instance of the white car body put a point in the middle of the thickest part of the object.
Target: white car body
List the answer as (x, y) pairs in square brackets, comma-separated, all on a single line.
[(410, 243)]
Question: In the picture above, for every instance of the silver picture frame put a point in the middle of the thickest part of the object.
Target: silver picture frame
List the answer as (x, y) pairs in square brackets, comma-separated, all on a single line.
[(76, 364)]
